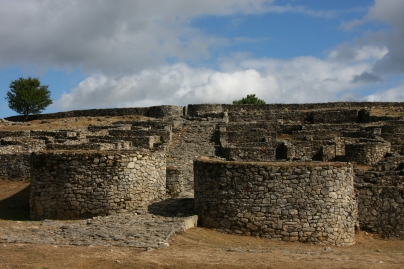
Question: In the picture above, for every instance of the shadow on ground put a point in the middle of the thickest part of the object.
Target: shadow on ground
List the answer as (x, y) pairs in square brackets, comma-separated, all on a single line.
[(16, 207), (173, 207)]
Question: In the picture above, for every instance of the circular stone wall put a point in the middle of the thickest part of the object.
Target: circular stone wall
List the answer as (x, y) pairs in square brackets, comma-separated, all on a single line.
[(306, 202), (72, 185)]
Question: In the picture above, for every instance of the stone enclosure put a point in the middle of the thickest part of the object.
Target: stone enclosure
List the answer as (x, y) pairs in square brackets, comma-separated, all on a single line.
[(306, 202), (296, 172), (72, 185)]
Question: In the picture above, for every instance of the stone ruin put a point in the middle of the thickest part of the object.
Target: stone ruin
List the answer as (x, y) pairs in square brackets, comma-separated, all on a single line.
[(295, 172)]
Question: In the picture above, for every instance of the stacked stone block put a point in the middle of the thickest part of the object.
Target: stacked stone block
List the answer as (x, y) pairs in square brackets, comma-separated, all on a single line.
[(380, 193), (15, 166), (366, 151), (73, 185), (306, 202), (174, 181)]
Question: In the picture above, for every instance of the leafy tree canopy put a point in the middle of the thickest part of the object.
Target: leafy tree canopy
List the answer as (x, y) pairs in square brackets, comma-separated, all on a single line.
[(251, 99), (27, 96)]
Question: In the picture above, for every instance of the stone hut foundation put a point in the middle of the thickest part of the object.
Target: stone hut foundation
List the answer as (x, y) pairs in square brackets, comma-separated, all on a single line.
[(74, 185), (305, 202)]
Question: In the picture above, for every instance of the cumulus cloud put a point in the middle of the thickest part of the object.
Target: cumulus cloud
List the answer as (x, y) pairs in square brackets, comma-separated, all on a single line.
[(389, 13), (302, 79), (115, 37), (395, 94), (154, 86), (123, 46)]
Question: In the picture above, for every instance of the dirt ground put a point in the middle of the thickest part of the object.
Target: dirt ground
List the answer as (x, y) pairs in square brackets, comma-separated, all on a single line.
[(195, 248)]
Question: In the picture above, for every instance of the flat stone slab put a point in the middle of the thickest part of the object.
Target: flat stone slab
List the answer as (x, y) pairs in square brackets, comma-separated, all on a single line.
[(148, 227)]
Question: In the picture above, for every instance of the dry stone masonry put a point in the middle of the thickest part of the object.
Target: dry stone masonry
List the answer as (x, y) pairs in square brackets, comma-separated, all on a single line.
[(72, 185), (306, 202), (82, 172)]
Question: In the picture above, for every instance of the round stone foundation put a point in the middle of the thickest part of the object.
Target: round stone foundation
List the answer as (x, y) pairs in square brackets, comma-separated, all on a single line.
[(74, 185), (306, 202)]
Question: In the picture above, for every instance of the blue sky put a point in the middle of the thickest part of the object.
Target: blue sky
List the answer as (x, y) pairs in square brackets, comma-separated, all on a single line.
[(103, 54)]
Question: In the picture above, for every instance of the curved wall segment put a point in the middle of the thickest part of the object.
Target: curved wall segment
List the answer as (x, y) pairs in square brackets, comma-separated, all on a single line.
[(306, 202), (73, 185)]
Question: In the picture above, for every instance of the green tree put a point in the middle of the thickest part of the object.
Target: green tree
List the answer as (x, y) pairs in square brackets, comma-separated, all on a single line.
[(27, 96), (251, 99)]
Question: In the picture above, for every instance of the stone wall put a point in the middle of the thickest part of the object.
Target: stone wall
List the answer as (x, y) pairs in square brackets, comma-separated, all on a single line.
[(308, 150), (14, 134), (260, 152), (164, 134), (201, 109), (82, 146), (366, 151), (242, 127), (381, 197), (72, 185), (396, 140), (381, 209), (255, 135), (174, 181), (335, 116), (15, 166), (205, 110), (208, 109), (155, 112), (306, 202)]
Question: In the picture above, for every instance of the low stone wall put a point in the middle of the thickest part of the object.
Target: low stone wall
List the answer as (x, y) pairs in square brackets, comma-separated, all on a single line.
[(82, 146), (263, 152), (55, 134), (73, 185), (155, 111), (328, 152), (306, 202), (254, 135), (164, 134), (15, 166), (366, 151), (207, 109), (393, 127), (396, 140), (241, 115), (381, 197), (204, 110), (14, 134), (307, 150), (339, 116), (174, 181), (242, 127), (315, 135), (29, 144), (105, 128), (145, 142), (381, 209), (165, 111)]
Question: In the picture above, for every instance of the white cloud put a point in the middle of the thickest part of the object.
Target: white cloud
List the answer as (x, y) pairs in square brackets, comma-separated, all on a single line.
[(395, 94), (162, 85), (123, 45), (115, 37), (226, 87), (109, 36), (299, 80), (389, 13)]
